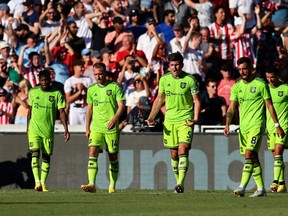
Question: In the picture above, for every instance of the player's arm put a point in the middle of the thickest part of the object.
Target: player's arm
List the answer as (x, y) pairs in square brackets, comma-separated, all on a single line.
[(63, 118), (197, 109), (156, 107), (273, 114), (120, 110), (229, 116), (88, 119)]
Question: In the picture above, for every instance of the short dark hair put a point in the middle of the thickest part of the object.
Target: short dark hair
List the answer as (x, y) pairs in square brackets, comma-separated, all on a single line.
[(32, 54), (44, 73), (169, 11), (217, 8), (100, 65), (78, 63), (209, 80), (271, 69), (175, 57), (244, 60)]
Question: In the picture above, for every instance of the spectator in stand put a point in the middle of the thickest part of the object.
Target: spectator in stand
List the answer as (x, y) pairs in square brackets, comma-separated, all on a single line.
[(129, 48), (113, 40), (210, 53), (32, 45), (76, 43), (4, 76), (204, 11), (4, 14), (176, 44), (32, 69), (243, 40), (83, 28), (95, 58), (30, 17), (213, 107), (166, 28), (238, 7), (226, 83), (14, 71), (86, 57), (18, 36), (6, 109), (194, 61), (141, 89), (99, 30), (149, 40), (127, 75), (3, 35), (5, 51), (47, 21), (19, 102), (159, 64), (136, 26), (75, 89), (220, 30), (182, 10), (16, 8)]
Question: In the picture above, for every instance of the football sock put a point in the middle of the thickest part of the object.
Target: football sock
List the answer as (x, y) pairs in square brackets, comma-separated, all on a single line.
[(246, 173), (182, 167), (257, 175), (174, 164), (113, 172), (282, 173), (45, 171), (92, 169), (278, 166), (35, 166)]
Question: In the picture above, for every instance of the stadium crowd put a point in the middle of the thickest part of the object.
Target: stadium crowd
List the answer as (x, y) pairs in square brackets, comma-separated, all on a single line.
[(133, 39)]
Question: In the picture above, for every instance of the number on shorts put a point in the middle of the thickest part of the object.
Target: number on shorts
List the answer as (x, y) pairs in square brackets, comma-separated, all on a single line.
[(189, 135), (114, 143)]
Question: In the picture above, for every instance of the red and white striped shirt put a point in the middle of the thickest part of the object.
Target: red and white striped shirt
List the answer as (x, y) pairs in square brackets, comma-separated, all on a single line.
[(31, 74), (243, 47), (7, 108), (224, 40)]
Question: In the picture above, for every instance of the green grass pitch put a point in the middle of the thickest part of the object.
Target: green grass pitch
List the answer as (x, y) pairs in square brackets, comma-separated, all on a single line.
[(139, 202)]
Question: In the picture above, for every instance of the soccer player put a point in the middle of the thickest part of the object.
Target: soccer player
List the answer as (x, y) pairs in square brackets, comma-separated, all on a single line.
[(105, 105), (252, 94), (43, 104), (279, 95), (180, 91)]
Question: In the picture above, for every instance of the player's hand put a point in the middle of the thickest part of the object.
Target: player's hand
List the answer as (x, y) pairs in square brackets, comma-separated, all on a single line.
[(226, 131), (87, 133), (190, 123), (111, 124), (280, 132), (151, 122), (66, 136)]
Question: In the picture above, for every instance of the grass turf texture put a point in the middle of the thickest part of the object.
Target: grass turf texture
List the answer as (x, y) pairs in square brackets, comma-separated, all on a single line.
[(139, 202)]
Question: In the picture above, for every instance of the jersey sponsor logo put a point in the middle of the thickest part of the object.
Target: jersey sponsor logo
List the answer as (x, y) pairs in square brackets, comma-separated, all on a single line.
[(280, 93), (182, 85), (252, 89), (109, 92), (51, 98)]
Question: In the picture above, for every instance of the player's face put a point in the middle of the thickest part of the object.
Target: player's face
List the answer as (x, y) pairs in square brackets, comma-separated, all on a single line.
[(271, 78), (176, 68), (100, 75), (244, 71), (45, 82)]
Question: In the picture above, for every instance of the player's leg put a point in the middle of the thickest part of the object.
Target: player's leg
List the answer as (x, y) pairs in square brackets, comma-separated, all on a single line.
[(185, 135), (271, 146), (248, 165), (34, 147), (47, 150), (170, 141), (94, 148), (112, 142)]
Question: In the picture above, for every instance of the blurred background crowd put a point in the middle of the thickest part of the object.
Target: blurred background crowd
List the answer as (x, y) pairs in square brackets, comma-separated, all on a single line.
[(133, 39)]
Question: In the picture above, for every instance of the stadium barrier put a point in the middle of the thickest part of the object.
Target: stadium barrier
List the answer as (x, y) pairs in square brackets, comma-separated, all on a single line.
[(215, 163)]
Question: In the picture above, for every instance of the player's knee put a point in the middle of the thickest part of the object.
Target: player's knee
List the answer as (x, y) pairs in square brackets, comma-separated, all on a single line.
[(46, 158), (36, 154), (113, 157)]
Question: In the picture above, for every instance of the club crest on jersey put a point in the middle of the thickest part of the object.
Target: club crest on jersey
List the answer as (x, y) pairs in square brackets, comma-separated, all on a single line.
[(183, 85), (108, 92), (51, 98), (280, 93), (253, 89)]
